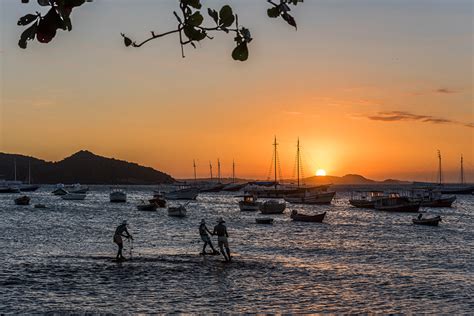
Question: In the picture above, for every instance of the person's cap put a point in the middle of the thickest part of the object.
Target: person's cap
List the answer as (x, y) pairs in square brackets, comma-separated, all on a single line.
[(221, 220), (124, 222), (203, 221)]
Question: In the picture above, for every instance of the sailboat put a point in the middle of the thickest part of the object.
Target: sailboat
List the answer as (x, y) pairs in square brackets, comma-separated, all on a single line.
[(234, 186), (214, 186), (315, 195), (461, 188), (29, 187), (10, 186)]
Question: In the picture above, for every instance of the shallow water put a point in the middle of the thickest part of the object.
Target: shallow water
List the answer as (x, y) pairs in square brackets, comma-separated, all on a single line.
[(59, 259)]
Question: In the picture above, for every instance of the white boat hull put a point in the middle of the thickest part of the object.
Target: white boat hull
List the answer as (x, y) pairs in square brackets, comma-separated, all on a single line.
[(183, 194), (177, 211)]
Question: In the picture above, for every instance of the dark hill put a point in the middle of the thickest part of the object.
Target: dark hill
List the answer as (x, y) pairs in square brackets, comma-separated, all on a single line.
[(82, 167)]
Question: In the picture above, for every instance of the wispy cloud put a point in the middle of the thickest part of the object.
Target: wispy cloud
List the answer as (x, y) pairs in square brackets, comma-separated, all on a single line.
[(394, 116), (445, 91)]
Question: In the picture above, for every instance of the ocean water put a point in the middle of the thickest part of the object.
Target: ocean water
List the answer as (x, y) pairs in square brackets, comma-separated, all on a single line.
[(59, 259)]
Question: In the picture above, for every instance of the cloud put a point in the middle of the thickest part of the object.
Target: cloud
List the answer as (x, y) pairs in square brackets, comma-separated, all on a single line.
[(394, 116), (445, 90)]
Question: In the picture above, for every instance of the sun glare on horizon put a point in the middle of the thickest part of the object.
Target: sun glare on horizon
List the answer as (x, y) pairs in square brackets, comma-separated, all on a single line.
[(320, 172)]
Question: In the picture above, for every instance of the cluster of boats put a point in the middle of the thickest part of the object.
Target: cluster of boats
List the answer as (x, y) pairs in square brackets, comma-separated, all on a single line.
[(411, 201)]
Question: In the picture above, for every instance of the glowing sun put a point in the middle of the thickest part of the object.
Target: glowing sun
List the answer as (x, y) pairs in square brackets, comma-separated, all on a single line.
[(320, 172)]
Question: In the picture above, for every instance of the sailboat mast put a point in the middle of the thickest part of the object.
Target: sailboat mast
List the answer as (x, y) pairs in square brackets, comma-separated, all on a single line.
[(462, 170), (233, 171), (298, 161), (218, 170), (194, 167), (210, 168), (275, 162), (29, 172), (439, 167), (14, 163)]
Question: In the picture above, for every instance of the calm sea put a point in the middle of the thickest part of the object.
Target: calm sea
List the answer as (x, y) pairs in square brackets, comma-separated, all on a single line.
[(59, 259)]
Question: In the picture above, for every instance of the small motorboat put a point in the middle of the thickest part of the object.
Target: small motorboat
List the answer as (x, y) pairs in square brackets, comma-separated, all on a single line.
[(40, 206), (249, 203), (158, 199), (272, 207), (318, 218), (264, 220), (60, 191), (74, 196), (118, 196), (23, 200), (183, 194), (434, 221), (177, 211), (150, 207)]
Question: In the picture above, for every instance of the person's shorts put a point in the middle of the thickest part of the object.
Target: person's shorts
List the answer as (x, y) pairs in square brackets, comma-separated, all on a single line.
[(118, 240), (222, 240), (206, 238)]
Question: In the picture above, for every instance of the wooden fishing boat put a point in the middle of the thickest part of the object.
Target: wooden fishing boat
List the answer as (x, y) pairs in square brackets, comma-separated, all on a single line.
[(150, 207), (249, 203), (23, 200), (365, 199), (177, 211), (264, 220), (40, 206), (430, 197), (311, 197), (272, 207), (318, 218), (396, 203), (427, 221)]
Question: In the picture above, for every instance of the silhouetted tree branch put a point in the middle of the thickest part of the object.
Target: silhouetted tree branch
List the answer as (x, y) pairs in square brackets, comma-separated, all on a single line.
[(189, 28)]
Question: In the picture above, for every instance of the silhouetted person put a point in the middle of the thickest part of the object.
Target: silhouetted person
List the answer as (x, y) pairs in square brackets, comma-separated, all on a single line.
[(221, 231), (120, 232), (203, 232)]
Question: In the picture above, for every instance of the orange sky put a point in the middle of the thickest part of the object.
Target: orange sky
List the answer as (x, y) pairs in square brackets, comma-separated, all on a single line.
[(370, 88)]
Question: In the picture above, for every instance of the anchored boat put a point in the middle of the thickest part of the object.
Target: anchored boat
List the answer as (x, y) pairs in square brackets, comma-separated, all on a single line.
[(272, 207), (249, 203), (318, 218)]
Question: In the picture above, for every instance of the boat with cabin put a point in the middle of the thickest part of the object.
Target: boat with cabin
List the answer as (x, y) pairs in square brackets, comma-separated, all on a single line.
[(365, 199), (431, 197), (249, 203), (149, 207), (158, 199), (394, 202)]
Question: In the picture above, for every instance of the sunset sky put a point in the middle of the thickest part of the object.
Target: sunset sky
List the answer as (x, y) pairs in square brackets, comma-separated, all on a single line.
[(370, 87)]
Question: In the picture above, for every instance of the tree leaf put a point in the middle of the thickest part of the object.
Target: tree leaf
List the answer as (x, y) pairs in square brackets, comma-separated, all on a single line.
[(192, 3), (240, 52), (289, 19), (226, 15), (27, 19), (28, 35), (213, 14), (195, 19), (273, 12), (194, 34)]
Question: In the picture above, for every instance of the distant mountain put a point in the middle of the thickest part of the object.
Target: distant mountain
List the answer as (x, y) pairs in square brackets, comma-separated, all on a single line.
[(82, 167), (348, 179)]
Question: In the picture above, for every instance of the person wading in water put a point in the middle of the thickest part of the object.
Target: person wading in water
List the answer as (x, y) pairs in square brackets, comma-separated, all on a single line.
[(120, 232), (203, 231), (221, 231)]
